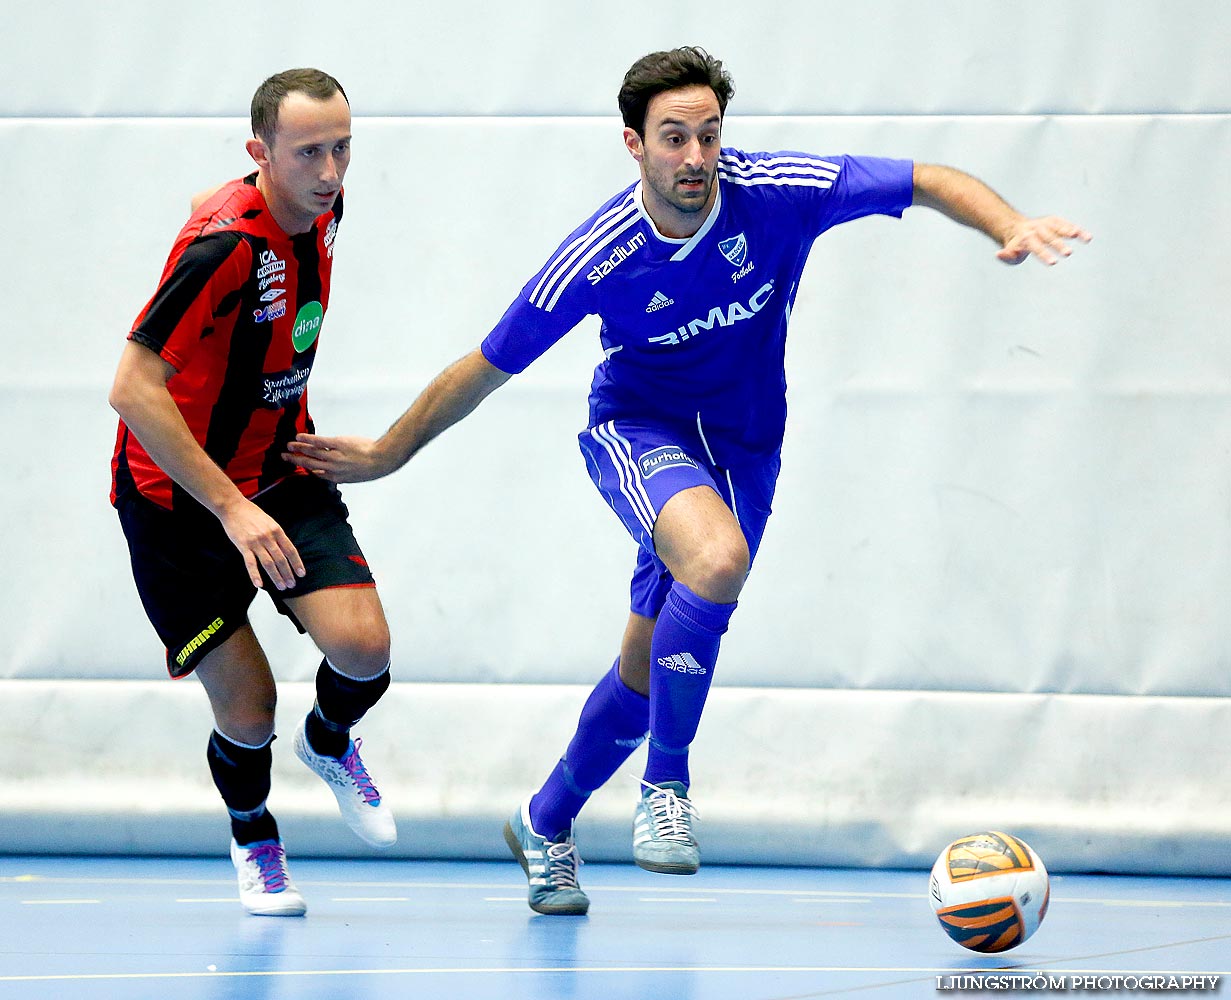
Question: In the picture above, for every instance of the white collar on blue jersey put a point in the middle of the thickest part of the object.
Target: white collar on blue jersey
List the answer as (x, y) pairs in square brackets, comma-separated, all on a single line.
[(685, 246)]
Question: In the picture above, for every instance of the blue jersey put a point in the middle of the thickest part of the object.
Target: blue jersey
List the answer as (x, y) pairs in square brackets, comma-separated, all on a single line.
[(694, 331)]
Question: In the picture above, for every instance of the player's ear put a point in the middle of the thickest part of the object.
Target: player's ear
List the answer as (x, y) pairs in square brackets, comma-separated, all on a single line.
[(633, 143), (258, 151)]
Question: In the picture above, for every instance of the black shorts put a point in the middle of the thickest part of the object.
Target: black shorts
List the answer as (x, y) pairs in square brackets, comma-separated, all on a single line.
[(193, 582)]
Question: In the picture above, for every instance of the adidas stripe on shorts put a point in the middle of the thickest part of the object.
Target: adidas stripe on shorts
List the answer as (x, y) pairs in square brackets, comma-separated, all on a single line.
[(639, 466)]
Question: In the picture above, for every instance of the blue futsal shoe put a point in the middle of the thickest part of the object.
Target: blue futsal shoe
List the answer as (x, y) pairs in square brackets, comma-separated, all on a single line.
[(663, 840), (550, 866)]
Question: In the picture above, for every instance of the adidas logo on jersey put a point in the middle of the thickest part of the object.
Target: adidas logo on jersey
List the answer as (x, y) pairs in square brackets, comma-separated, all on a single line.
[(659, 301), (682, 663)]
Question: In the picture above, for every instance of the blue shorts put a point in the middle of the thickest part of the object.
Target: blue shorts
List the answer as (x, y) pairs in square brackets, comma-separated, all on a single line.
[(638, 467)]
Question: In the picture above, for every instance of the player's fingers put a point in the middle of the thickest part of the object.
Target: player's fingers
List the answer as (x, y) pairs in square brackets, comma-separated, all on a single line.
[(277, 568), (1057, 243), (1055, 231), (320, 469), (316, 442), (1012, 254), (1037, 246), (292, 556), (303, 460), (254, 572), (307, 449), (280, 559), (1070, 230)]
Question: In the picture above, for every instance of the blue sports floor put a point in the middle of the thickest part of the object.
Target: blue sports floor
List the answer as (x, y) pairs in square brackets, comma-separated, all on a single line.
[(156, 928)]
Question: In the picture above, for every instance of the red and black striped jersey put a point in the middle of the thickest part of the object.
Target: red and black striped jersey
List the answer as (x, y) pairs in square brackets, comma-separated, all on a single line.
[(238, 312)]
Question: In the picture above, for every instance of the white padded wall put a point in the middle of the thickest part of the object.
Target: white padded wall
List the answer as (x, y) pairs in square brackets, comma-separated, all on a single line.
[(551, 57), (880, 778), (988, 473), (1003, 488)]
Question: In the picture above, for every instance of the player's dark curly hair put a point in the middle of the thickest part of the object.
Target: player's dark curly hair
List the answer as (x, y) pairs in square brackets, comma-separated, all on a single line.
[(659, 71), (269, 95)]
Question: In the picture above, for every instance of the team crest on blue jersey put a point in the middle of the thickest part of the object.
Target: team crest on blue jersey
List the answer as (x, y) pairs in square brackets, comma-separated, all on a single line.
[(735, 249)]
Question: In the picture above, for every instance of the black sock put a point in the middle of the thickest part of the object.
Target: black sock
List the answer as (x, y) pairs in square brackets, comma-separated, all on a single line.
[(340, 702), (324, 737), (264, 827), (241, 775)]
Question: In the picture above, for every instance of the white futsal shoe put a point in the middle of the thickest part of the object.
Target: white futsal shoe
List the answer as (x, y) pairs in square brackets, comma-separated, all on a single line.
[(265, 886), (358, 799)]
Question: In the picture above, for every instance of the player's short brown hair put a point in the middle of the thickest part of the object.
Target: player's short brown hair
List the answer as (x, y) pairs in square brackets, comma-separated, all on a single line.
[(661, 71), (269, 95)]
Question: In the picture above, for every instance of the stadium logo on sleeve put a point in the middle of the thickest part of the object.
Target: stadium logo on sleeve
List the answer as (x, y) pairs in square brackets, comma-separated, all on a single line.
[(667, 457), (617, 257), (735, 249)]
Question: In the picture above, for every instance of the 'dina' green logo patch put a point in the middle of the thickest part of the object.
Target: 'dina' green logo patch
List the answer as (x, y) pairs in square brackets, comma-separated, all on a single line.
[(307, 326)]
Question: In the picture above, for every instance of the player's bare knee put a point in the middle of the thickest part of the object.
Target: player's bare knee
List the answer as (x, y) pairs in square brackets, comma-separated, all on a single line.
[(250, 723), (718, 574), (362, 655)]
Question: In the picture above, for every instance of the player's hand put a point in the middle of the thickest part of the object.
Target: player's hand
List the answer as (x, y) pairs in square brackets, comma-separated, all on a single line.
[(338, 459), (1045, 238), (263, 544)]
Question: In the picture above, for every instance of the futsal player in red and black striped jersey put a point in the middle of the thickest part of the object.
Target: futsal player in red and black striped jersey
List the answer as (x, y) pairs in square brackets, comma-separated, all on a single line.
[(211, 386)]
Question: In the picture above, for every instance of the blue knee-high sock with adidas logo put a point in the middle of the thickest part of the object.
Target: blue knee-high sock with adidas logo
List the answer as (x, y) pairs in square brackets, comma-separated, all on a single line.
[(612, 725), (683, 652)]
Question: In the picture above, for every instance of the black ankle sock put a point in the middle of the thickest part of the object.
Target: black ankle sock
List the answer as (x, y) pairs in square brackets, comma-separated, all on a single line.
[(325, 739), (249, 831)]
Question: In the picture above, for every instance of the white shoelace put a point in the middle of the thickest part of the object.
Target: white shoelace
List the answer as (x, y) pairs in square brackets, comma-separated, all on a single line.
[(562, 864), (672, 816)]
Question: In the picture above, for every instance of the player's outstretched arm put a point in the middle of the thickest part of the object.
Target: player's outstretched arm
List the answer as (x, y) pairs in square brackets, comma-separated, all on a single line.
[(968, 200), (139, 395), (449, 397)]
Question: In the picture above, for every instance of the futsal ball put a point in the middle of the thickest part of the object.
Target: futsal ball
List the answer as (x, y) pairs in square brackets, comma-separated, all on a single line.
[(989, 891)]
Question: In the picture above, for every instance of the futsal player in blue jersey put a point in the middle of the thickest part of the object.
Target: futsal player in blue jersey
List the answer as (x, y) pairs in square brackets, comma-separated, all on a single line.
[(693, 271)]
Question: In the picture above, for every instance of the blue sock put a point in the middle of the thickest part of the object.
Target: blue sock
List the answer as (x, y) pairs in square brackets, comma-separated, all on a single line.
[(683, 652), (613, 724)]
